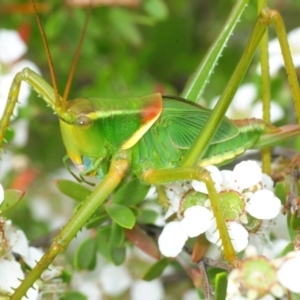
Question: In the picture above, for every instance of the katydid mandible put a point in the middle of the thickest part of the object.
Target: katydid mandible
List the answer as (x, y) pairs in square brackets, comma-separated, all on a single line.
[(158, 138)]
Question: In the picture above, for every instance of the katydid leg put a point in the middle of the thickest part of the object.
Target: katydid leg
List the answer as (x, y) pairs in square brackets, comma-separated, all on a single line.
[(266, 87), (197, 173), (265, 19), (116, 172), (37, 83)]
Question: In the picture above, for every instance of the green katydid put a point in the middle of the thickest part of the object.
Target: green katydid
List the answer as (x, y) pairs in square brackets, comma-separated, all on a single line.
[(159, 139)]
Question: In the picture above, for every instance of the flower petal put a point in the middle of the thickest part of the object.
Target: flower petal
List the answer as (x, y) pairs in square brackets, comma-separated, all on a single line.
[(13, 275), (287, 273), (229, 180), (267, 182), (213, 235), (239, 236), (247, 174), (263, 205), (172, 239), (34, 255), (17, 240), (197, 219)]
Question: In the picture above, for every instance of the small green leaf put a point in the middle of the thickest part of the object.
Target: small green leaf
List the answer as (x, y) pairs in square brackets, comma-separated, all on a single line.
[(116, 235), (295, 221), (156, 269), (135, 189), (221, 286), (96, 221), (147, 216), (11, 198), (280, 192), (73, 189), (122, 215), (73, 295), (156, 9), (66, 276), (103, 236), (118, 255), (85, 256)]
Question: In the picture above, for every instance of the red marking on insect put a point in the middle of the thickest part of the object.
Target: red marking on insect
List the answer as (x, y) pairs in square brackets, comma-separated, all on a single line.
[(152, 110)]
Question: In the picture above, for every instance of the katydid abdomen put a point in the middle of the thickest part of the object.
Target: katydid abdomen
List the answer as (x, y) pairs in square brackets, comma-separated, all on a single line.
[(156, 130)]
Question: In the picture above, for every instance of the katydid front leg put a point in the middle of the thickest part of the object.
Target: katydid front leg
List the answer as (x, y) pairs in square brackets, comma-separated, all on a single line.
[(37, 83), (118, 168)]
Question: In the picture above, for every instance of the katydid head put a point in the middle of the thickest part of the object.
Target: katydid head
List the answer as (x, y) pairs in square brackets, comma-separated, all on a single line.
[(80, 134)]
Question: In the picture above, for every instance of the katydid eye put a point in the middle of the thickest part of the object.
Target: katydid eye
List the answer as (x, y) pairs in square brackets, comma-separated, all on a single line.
[(83, 121)]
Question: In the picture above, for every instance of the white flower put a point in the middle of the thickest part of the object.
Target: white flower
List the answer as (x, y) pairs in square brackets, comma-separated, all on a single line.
[(238, 235), (16, 241), (13, 274), (196, 220), (287, 274), (241, 191), (254, 278)]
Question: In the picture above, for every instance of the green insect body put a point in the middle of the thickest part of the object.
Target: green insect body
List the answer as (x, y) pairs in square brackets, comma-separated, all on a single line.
[(156, 129)]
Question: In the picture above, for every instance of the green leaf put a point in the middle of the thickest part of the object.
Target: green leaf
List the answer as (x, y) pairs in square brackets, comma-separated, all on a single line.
[(66, 276), (221, 286), (73, 295), (122, 215), (96, 221), (156, 9), (103, 236), (116, 235), (118, 255), (11, 198), (156, 269), (73, 189), (280, 192), (295, 221), (135, 189), (85, 256), (147, 216)]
